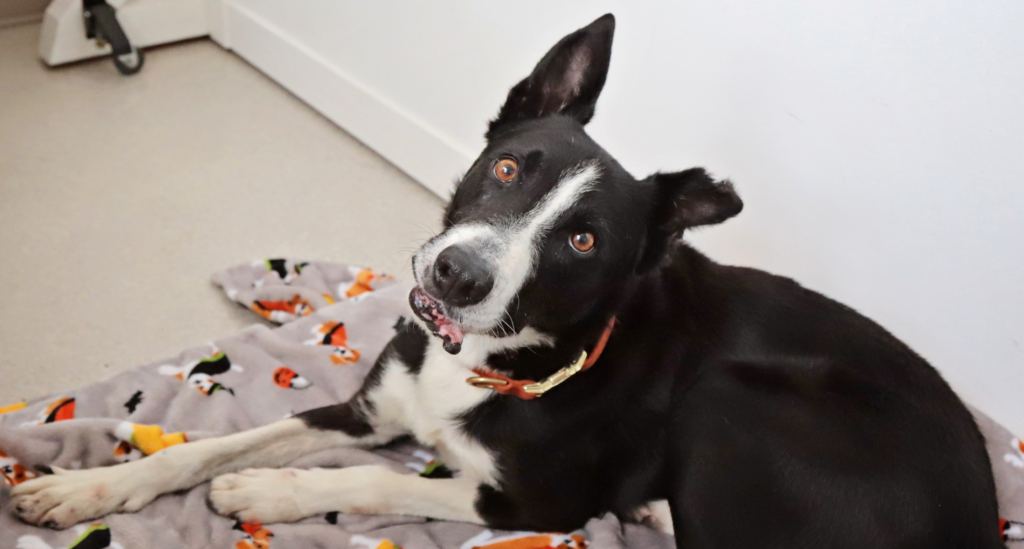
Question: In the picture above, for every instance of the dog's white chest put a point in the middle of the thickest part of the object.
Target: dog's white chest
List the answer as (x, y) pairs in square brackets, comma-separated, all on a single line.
[(429, 404), (442, 397)]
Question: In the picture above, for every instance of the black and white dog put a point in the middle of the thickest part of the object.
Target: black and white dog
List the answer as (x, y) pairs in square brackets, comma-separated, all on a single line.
[(765, 414)]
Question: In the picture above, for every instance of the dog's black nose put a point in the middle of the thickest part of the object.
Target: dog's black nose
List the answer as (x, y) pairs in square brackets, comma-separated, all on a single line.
[(461, 278)]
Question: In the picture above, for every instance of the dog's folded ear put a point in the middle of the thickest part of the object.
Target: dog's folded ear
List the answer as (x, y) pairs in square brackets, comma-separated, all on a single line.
[(566, 81), (683, 200)]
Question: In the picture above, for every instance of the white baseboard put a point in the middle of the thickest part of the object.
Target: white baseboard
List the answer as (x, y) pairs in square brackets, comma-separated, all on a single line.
[(406, 141)]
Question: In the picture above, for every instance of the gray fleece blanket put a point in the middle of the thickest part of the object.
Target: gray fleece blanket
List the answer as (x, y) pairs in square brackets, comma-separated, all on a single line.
[(335, 319)]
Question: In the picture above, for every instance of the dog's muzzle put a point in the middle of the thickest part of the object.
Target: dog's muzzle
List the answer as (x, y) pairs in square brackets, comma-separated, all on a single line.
[(460, 278)]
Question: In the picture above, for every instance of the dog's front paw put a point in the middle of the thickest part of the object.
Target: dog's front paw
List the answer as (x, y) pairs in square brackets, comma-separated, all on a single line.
[(66, 498), (259, 495)]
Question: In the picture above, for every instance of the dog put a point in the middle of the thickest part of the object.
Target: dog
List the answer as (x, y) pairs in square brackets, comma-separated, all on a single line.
[(571, 355)]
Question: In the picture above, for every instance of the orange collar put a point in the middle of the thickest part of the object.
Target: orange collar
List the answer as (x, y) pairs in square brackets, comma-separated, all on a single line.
[(529, 389)]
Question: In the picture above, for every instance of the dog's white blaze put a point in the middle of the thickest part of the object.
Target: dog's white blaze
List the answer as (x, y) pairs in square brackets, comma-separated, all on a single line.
[(460, 234), (519, 261), (511, 246)]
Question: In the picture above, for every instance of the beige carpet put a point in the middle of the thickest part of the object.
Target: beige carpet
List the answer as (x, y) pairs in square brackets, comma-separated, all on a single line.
[(120, 196)]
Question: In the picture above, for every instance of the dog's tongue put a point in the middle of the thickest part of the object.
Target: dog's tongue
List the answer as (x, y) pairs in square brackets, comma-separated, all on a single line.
[(452, 336), (429, 310)]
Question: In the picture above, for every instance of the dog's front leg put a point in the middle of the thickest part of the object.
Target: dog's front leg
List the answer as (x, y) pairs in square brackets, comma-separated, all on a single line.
[(285, 495), (66, 498)]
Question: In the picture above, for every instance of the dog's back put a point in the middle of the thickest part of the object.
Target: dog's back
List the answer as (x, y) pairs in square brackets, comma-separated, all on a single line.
[(813, 423)]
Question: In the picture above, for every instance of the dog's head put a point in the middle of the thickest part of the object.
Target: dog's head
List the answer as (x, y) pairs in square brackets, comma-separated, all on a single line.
[(546, 229)]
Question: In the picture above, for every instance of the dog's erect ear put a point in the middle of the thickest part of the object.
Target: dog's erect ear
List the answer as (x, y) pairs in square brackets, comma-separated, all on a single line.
[(683, 200), (567, 80)]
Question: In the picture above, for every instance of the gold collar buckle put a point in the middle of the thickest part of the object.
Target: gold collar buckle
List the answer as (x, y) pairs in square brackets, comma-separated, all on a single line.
[(556, 378), (528, 389)]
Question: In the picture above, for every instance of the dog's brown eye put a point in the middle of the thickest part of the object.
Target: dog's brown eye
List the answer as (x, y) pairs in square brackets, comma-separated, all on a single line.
[(505, 169), (582, 242)]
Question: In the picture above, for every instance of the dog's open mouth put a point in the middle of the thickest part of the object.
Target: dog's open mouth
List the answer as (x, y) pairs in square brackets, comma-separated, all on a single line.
[(428, 309)]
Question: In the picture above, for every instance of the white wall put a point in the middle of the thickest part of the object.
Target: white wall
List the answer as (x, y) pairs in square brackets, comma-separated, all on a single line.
[(878, 145)]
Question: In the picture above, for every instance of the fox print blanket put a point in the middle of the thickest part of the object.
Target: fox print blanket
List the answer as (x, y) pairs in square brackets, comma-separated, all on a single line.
[(334, 321)]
